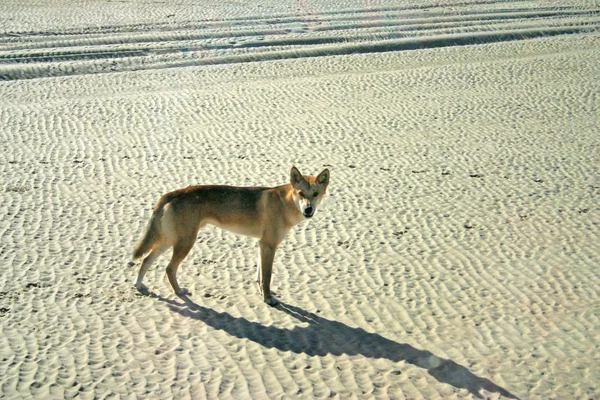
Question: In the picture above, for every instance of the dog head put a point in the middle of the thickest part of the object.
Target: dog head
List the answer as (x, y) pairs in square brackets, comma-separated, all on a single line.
[(308, 190)]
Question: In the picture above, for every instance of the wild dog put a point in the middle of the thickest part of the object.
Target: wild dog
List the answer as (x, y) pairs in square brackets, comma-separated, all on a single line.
[(261, 212)]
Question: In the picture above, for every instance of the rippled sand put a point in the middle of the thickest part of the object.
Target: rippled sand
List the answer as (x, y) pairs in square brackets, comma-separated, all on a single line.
[(457, 252)]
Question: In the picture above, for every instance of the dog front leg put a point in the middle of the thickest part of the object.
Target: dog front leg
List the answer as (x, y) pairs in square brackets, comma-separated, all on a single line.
[(267, 254)]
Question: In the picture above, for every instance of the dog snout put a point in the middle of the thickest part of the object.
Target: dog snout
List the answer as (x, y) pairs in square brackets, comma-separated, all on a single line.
[(309, 211)]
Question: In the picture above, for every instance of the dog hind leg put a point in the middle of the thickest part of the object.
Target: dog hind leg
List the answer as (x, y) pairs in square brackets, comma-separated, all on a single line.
[(154, 254), (259, 274), (180, 251)]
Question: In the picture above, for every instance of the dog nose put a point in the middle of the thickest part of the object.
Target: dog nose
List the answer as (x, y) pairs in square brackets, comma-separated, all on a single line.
[(309, 211)]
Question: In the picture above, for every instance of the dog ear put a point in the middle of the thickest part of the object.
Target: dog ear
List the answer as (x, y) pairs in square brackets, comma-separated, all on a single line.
[(323, 177), (295, 177)]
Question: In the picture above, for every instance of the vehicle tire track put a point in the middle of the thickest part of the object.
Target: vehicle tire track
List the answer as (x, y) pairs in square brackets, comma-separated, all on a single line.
[(194, 43)]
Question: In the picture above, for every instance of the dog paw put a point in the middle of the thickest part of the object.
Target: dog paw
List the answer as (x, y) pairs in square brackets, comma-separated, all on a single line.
[(143, 289), (183, 292), (272, 301)]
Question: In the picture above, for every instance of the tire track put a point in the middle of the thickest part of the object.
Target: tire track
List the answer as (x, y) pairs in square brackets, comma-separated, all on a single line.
[(196, 43)]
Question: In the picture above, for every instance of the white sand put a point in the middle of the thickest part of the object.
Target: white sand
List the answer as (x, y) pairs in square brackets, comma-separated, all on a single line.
[(456, 255)]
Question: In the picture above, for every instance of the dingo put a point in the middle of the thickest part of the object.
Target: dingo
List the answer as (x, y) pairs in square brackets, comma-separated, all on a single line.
[(260, 212)]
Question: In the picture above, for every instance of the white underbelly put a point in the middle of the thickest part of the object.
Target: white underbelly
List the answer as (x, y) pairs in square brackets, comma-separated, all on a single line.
[(246, 230)]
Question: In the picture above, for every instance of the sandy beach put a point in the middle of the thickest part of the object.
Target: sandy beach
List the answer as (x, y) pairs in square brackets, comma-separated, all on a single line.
[(455, 256)]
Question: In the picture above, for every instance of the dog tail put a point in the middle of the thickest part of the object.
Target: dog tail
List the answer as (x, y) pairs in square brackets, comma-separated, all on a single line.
[(150, 238)]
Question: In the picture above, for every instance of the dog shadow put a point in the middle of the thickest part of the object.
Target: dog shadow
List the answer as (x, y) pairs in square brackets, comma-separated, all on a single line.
[(323, 336)]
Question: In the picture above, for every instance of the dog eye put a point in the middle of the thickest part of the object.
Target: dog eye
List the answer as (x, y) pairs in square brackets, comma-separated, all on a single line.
[(315, 194), (301, 194)]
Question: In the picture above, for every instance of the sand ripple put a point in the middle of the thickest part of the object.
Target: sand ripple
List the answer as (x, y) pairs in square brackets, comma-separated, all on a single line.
[(454, 257)]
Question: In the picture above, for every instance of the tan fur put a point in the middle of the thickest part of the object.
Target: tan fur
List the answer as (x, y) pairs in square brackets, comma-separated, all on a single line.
[(261, 212)]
